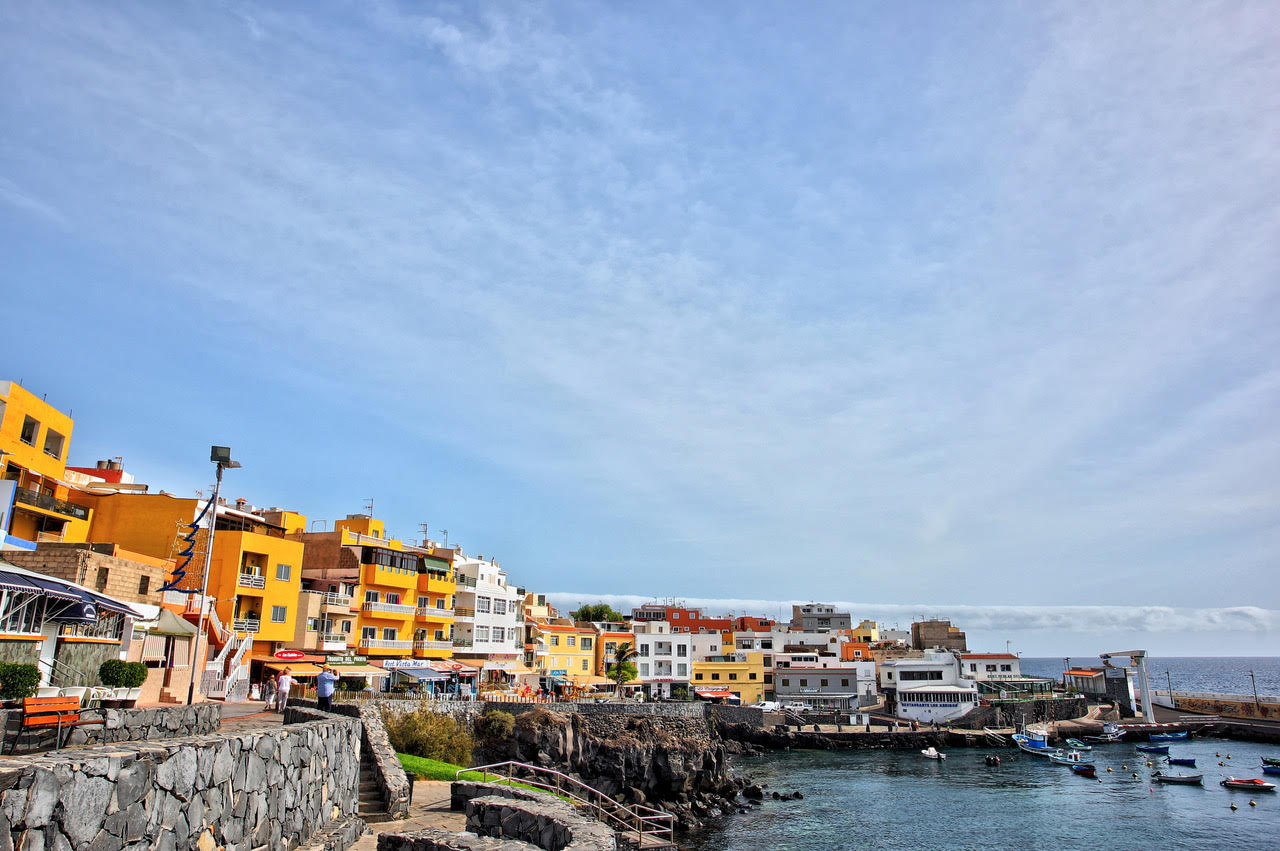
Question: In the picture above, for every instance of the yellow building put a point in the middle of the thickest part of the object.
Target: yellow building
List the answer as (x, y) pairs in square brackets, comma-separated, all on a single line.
[(607, 643), (570, 653), (739, 673), (867, 632), (35, 438), (402, 597), (255, 572)]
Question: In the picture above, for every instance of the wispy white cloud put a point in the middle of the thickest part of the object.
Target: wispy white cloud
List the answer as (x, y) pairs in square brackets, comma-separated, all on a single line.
[(994, 323)]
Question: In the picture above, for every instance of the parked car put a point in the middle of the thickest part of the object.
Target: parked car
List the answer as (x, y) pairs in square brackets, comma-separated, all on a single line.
[(796, 707), (768, 705)]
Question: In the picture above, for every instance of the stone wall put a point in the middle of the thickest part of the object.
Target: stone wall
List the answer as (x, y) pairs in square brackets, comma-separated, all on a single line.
[(1003, 713), (116, 577), (79, 661), (738, 715), (674, 709), (26, 652), (274, 788), (548, 824), (373, 738), (148, 724)]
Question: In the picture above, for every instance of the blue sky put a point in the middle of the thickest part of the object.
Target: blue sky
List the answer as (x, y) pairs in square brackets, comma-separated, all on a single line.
[(926, 305)]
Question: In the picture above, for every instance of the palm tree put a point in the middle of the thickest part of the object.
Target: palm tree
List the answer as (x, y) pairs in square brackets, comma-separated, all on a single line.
[(623, 665)]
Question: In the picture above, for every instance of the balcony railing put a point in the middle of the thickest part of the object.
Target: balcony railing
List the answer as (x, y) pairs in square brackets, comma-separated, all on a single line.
[(384, 644), (251, 580), (462, 642), (333, 641), (466, 582), (50, 503), (389, 608), (463, 613), (341, 601), (432, 645), (246, 625), (431, 611)]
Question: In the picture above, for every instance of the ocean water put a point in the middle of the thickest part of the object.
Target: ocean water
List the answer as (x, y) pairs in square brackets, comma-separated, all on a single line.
[(899, 799), (1229, 674)]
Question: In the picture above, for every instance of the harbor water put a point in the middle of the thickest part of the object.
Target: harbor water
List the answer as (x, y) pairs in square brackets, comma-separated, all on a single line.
[(899, 799), (1218, 674)]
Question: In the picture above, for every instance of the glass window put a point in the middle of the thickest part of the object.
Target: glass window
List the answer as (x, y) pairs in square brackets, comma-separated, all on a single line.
[(30, 427), (499, 633), (571, 640), (682, 670), (393, 598), (53, 443), (482, 633), (368, 633), (483, 604), (283, 572), (555, 641), (499, 607), (584, 664), (733, 676), (371, 596), (279, 613), (715, 676), (752, 675), (144, 584), (424, 602), (389, 633), (586, 643)]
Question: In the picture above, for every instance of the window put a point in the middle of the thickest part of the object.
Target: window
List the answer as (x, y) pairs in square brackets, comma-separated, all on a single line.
[(389, 633), (482, 633), (675, 616), (424, 602), (53, 443), (499, 633), (586, 643), (571, 640), (1006, 667), (698, 676), (682, 671), (555, 641), (681, 650), (440, 603), (715, 676), (29, 429), (144, 584), (283, 572), (499, 607), (279, 613), (844, 683), (483, 604), (768, 661), (920, 675), (733, 676), (644, 650), (371, 596), (346, 627), (752, 675), (584, 664), (313, 624), (644, 669), (973, 666), (439, 635), (823, 682), (804, 682), (768, 679), (103, 575), (766, 644), (991, 667), (786, 682), (393, 598), (368, 633)]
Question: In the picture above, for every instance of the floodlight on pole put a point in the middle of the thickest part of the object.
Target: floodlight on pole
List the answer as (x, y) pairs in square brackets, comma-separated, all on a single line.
[(221, 457)]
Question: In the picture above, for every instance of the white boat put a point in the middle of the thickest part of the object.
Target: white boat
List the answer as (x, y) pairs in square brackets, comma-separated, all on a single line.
[(1111, 732), (1038, 747), (1069, 758), (932, 753)]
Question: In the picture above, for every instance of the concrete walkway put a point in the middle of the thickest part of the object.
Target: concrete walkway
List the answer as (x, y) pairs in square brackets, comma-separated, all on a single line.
[(430, 808), (248, 716)]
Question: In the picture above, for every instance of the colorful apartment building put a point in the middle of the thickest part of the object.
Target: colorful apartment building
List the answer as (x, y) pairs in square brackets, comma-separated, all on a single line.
[(570, 657), (740, 674), (35, 504), (607, 643), (682, 619), (488, 618)]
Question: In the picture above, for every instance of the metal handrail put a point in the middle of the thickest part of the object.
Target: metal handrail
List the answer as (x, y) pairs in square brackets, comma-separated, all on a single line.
[(622, 818)]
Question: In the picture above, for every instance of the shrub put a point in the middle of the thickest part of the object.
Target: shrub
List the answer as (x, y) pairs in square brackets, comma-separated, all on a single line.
[(430, 735), (117, 674), (495, 726), (18, 680)]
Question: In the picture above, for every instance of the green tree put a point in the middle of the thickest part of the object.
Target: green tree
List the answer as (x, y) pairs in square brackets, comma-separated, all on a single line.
[(597, 613), (623, 669)]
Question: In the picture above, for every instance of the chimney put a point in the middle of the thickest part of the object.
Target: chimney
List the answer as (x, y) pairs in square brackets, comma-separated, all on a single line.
[(115, 465), (102, 465)]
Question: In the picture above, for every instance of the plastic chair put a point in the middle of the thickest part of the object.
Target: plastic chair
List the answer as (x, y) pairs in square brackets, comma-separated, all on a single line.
[(97, 694), (48, 691), (78, 692), (131, 696)]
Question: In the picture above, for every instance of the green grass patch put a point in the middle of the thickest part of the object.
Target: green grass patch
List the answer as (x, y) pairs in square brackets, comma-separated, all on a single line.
[(434, 769)]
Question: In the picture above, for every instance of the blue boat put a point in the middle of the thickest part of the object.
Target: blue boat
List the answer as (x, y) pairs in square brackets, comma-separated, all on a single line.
[(1168, 737), (1173, 760), (1271, 769), (1153, 748)]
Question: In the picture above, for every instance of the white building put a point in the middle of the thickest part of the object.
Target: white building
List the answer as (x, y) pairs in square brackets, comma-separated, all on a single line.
[(929, 689), (664, 659), (991, 666), (706, 645), (488, 622)]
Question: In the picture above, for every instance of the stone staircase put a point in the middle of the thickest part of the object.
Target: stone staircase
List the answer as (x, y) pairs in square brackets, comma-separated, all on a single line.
[(373, 808)]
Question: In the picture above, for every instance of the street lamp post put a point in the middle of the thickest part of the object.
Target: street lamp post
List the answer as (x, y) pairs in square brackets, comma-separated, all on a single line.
[(1256, 702), (1169, 679), (221, 457)]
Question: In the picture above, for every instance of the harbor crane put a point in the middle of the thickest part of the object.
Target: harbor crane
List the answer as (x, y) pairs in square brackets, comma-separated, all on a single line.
[(1138, 659)]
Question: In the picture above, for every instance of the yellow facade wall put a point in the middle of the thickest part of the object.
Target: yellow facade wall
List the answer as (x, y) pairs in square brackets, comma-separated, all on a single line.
[(743, 678), (20, 403)]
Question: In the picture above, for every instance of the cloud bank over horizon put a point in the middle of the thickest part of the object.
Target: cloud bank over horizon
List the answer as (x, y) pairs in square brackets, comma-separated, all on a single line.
[(1045, 630)]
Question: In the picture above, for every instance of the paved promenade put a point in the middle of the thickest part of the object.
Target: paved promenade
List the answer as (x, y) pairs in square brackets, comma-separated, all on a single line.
[(430, 808)]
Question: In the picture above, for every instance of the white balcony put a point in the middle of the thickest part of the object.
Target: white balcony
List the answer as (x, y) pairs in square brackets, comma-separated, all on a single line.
[(246, 625), (384, 644), (388, 608), (332, 641), (340, 601), (433, 645), (431, 611), (251, 580)]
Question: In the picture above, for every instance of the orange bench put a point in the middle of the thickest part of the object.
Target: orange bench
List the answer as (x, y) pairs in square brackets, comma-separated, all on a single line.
[(40, 713)]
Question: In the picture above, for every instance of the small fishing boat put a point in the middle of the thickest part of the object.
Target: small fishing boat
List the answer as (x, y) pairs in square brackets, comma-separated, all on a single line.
[(1153, 748), (932, 753), (1084, 770), (1072, 758), (1032, 746), (1077, 745), (1185, 779), (1271, 769), (1251, 784), (1175, 760), (1111, 732), (1271, 760), (1168, 737)]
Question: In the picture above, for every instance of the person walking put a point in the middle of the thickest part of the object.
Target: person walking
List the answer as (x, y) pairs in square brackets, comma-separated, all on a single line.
[(326, 681), (284, 682)]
